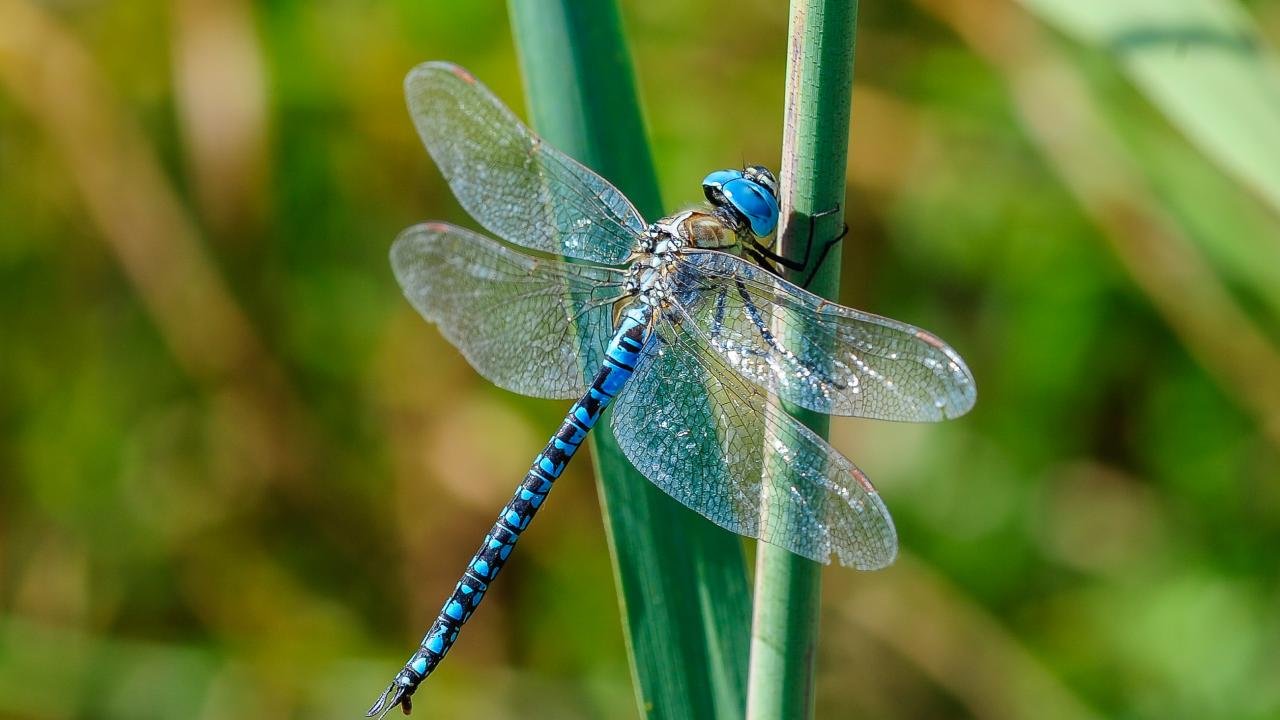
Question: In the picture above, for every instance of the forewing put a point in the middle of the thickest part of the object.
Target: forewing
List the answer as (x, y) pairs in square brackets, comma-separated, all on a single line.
[(535, 326), (819, 355), (521, 189), (723, 448)]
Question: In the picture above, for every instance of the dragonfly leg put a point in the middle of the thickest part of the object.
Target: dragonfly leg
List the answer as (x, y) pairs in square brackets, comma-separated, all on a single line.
[(759, 251), (764, 258), (766, 334), (717, 319), (826, 246)]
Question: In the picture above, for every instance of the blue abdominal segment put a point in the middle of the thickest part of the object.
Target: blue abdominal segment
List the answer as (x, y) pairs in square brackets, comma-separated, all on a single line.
[(619, 363)]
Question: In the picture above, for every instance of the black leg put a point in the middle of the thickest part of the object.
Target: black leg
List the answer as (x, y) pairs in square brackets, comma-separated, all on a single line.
[(717, 320), (822, 257), (762, 253), (763, 258), (762, 329)]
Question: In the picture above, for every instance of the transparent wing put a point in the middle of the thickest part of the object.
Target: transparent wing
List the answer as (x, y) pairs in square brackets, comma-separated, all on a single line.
[(819, 355), (535, 326), (512, 183), (700, 432)]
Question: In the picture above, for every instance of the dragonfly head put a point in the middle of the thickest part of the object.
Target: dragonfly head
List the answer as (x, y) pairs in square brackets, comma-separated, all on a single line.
[(749, 196)]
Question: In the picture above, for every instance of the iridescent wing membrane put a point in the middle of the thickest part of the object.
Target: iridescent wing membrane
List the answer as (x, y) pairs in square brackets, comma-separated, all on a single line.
[(701, 417), (521, 189), (535, 326), (818, 355), (724, 448)]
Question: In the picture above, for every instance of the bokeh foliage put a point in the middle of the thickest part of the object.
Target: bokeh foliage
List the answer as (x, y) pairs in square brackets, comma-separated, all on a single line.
[(238, 474)]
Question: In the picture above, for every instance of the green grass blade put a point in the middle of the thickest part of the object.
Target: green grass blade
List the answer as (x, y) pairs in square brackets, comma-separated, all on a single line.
[(681, 580), (814, 150), (1203, 64)]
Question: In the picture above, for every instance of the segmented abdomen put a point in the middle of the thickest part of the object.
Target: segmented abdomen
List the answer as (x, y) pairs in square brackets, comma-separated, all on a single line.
[(620, 361)]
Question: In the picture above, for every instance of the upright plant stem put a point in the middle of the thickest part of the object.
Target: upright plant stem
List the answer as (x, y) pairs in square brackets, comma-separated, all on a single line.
[(681, 580), (814, 152)]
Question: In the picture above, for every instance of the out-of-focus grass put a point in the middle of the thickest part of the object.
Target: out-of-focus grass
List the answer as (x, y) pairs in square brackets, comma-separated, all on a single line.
[(1102, 525), (1203, 63)]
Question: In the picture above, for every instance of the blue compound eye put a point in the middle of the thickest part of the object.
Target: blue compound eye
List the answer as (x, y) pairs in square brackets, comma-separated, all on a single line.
[(714, 182), (756, 204), (749, 193)]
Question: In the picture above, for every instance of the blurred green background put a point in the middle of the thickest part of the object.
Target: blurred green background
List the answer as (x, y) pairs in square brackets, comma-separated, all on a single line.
[(238, 474)]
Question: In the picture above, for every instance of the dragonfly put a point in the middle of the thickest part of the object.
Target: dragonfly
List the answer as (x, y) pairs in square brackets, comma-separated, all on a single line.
[(695, 348)]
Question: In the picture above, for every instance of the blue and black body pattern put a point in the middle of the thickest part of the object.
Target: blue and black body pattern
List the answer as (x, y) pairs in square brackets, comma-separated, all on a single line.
[(619, 364)]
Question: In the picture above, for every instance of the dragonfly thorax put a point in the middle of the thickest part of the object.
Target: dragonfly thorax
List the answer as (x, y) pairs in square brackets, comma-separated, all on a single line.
[(668, 235), (648, 285), (655, 261), (692, 229)]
